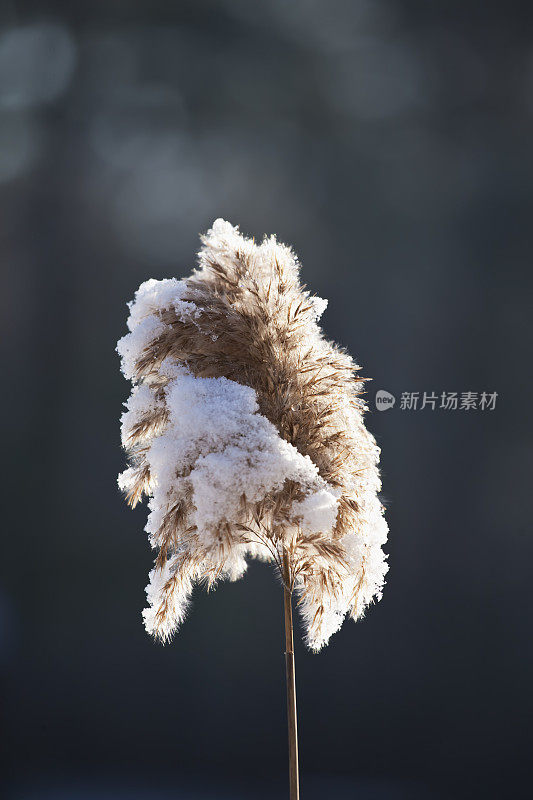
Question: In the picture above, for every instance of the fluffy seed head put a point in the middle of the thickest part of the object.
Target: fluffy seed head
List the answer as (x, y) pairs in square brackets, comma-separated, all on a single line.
[(245, 428)]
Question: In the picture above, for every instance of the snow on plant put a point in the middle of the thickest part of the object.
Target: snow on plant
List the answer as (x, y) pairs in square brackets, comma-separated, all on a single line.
[(245, 428)]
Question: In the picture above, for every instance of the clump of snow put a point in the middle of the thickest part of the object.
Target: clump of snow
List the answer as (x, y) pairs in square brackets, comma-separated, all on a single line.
[(317, 512), (177, 601), (224, 448), (141, 403), (153, 296), (144, 322), (131, 346), (319, 306)]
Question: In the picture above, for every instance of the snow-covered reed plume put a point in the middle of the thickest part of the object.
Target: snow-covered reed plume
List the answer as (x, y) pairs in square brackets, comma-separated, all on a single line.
[(245, 428)]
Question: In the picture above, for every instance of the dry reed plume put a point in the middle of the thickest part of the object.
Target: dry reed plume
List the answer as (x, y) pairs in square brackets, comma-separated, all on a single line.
[(245, 427)]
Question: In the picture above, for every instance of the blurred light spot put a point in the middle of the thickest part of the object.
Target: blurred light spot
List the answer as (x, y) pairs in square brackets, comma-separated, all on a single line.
[(36, 64), (326, 25), (158, 185), (161, 198), (331, 25), (20, 144)]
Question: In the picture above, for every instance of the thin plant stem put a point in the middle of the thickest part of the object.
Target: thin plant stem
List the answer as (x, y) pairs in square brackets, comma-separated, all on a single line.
[(291, 683)]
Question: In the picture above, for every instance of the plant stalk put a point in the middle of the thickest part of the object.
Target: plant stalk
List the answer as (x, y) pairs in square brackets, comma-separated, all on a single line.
[(291, 683)]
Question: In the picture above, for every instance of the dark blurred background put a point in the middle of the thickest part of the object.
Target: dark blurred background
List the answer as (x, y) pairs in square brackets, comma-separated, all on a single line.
[(390, 143)]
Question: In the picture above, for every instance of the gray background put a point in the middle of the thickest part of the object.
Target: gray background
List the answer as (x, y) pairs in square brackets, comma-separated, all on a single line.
[(390, 143)]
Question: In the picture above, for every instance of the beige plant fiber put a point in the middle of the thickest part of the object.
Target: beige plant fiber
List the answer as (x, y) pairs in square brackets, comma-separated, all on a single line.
[(245, 426)]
